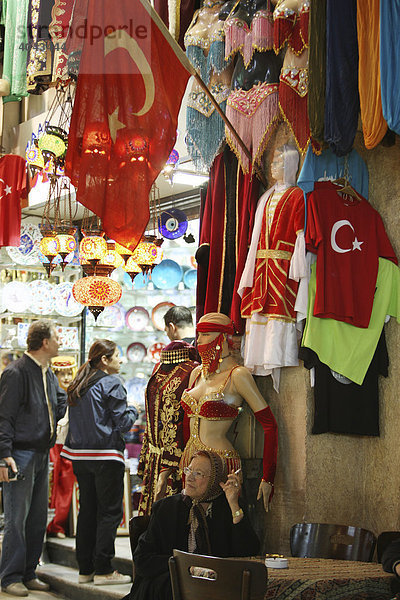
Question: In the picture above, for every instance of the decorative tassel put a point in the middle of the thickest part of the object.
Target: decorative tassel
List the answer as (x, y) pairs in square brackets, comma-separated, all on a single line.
[(293, 90)]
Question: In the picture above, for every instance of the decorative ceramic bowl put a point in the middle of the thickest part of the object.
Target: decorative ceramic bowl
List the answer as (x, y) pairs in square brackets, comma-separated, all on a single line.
[(112, 317), (154, 352), (28, 251), (166, 275), (16, 296), (136, 352), (137, 318), (140, 281), (190, 278), (65, 303), (41, 297), (158, 312)]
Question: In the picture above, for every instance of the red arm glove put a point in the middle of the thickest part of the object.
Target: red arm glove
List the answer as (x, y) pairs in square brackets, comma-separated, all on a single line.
[(268, 422)]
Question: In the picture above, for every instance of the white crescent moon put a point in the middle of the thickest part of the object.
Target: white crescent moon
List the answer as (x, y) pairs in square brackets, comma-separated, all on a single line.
[(334, 231), (2, 180), (120, 39)]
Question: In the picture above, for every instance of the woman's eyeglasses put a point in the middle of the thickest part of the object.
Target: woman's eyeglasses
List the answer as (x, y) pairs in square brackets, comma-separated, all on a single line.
[(196, 474)]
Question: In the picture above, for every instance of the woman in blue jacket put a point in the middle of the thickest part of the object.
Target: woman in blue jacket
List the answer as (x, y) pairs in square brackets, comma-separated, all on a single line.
[(98, 418)]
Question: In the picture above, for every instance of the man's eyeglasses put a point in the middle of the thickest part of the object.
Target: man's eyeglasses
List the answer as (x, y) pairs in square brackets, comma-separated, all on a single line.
[(196, 474)]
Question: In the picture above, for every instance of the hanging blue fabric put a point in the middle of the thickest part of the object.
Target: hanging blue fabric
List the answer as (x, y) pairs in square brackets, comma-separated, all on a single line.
[(342, 103), (390, 62)]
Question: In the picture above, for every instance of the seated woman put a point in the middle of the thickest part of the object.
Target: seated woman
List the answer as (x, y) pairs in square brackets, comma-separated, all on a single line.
[(204, 519), (217, 390)]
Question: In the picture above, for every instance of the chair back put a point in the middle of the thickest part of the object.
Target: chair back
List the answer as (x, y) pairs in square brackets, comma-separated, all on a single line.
[(322, 540), (196, 577), (384, 539)]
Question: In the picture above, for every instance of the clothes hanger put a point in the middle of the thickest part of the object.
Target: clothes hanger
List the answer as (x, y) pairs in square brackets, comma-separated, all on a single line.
[(344, 183)]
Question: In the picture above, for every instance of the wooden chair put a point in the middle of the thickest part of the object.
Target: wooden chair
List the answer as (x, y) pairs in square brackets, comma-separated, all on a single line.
[(137, 526), (384, 539), (196, 577), (322, 540)]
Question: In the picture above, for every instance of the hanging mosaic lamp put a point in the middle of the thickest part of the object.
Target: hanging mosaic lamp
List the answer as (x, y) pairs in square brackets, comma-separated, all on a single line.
[(53, 143), (96, 293), (67, 244), (93, 248), (132, 268), (49, 246), (125, 253), (112, 260), (146, 254), (34, 158)]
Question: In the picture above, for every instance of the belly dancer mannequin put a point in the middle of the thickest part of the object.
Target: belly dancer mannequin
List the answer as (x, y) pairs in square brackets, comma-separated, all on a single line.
[(252, 105), (216, 391), (291, 28)]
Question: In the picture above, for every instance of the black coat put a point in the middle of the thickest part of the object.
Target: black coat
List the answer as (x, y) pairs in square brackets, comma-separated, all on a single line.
[(24, 414), (169, 529)]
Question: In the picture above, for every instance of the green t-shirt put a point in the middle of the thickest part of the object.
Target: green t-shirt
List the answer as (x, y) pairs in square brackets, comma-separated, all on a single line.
[(343, 347)]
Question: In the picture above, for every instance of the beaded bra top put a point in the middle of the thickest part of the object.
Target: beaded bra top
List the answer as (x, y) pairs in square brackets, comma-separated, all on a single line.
[(291, 27), (240, 37), (211, 406)]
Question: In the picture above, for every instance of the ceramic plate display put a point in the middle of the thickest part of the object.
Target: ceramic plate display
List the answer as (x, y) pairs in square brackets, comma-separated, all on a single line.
[(136, 352), (68, 338), (64, 302), (2, 305), (41, 297), (158, 312), (16, 296), (28, 251), (136, 388), (137, 318), (190, 278), (154, 352), (22, 332), (166, 275), (113, 317)]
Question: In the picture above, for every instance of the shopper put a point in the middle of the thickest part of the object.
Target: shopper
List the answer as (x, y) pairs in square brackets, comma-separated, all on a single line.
[(98, 416), (179, 324), (31, 403)]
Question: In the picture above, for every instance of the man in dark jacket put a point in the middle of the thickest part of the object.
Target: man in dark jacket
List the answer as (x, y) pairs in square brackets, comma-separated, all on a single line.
[(31, 403)]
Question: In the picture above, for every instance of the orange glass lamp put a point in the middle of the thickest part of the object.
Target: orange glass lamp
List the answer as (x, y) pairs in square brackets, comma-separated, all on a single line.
[(132, 268), (93, 248), (146, 255), (112, 260), (49, 247), (67, 245), (96, 293), (122, 251)]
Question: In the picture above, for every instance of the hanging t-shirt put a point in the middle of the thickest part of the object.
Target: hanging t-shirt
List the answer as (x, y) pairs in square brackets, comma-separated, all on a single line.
[(328, 165), (342, 406), (348, 236), (346, 349), (12, 188)]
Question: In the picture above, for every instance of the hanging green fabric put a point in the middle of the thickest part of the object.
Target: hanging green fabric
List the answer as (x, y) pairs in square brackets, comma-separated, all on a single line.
[(14, 18)]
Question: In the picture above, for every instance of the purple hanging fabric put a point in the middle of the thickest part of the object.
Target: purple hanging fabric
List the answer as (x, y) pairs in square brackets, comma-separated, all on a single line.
[(342, 103)]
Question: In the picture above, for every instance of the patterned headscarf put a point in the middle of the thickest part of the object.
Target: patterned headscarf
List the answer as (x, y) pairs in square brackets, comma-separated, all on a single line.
[(198, 539)]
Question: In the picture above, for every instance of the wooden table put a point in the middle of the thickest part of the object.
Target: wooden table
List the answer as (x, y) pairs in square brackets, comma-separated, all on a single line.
[(327, 579)]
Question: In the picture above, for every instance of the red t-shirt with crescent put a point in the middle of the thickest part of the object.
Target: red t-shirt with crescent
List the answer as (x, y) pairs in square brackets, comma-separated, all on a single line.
[(348, 236), (13, 187)]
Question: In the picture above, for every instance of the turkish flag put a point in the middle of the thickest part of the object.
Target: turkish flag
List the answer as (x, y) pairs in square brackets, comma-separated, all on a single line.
[(13, 189), (123, 127)]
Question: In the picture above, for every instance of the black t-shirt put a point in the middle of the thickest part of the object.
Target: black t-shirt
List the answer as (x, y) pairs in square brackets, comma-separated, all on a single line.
[(342, 406)]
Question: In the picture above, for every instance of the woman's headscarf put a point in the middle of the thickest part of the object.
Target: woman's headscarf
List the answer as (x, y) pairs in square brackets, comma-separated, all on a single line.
[(198, 540)]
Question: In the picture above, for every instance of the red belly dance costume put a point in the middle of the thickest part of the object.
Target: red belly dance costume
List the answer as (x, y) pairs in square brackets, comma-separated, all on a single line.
[(211, 407), (292, 28)]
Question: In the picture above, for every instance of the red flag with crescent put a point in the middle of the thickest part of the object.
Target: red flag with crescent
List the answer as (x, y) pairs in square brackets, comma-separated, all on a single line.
[(132, 77)]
